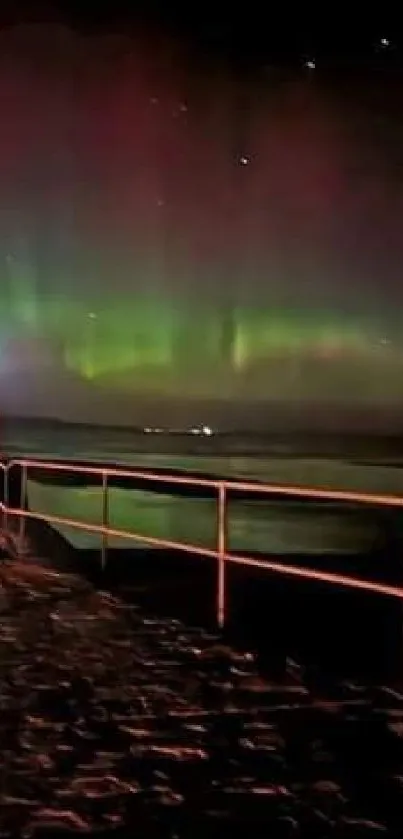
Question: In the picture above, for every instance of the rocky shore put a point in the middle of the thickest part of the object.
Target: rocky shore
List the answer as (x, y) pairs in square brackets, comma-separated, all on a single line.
[(115, 723)]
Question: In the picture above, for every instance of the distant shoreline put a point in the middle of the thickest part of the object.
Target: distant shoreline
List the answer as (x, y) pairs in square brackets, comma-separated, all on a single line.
[(311, 437), (380, 448), (274, 433)]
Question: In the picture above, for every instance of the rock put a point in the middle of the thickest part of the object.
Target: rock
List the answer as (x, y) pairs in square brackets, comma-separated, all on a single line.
[(114, 721)]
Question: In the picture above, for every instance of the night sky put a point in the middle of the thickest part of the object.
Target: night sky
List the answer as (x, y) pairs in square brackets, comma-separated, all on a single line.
[(189, 235)]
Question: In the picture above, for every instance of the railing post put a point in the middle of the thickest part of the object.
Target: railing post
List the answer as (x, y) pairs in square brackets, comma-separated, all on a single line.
[(221, 549), (5, 494), (105, 519), (23, 498)]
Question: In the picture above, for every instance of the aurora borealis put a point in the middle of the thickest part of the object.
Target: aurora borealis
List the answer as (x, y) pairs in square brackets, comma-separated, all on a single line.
[(174, 233)]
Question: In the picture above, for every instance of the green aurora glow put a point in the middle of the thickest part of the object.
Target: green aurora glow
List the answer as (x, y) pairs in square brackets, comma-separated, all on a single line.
[(140, 344), (178, 244)]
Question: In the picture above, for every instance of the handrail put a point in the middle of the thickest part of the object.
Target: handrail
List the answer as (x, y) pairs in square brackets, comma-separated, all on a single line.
[(236, 559), (318, 493), (55, 466), (221, 553)]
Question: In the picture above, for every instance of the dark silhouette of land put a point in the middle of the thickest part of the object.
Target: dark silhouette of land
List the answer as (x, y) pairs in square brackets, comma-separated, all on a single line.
[(354, 444)]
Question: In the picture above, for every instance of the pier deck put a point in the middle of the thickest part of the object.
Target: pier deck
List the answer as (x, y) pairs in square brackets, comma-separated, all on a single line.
[(112, 718)]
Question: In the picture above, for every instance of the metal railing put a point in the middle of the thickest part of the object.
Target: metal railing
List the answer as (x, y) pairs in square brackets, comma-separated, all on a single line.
[(221, 488)]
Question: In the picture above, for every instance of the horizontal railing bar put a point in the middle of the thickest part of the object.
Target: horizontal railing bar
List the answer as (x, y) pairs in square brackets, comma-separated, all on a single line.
[(279, 568), (109, 531), (53, 466), (315, 493), (321, 576), (318, 493)]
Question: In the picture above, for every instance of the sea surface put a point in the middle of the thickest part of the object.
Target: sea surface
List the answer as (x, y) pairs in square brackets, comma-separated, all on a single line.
[(252, 525)]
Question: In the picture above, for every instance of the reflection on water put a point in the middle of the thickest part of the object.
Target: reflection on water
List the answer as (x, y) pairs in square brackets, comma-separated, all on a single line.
[(291, 467), (320, 472), (252, 526)]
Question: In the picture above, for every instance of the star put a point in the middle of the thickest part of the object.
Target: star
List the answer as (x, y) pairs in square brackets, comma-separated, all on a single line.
[(244, 160), (181, 108)]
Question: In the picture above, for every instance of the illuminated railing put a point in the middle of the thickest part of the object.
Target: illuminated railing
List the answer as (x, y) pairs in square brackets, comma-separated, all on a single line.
[(221, 488)]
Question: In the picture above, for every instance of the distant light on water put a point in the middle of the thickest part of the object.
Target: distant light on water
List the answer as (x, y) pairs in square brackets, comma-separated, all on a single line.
[(202, 429), (205, 430)]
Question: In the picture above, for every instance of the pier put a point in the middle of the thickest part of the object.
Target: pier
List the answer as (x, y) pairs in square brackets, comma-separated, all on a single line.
[(114, 719), (345, 608), (125, 703)]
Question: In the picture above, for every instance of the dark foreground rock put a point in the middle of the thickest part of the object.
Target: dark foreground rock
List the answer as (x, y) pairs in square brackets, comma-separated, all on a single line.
[(118, 724)]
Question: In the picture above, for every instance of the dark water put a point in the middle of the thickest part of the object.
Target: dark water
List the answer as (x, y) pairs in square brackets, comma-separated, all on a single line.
[(261, 526)]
